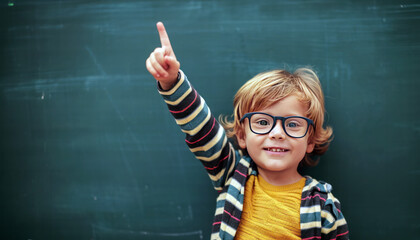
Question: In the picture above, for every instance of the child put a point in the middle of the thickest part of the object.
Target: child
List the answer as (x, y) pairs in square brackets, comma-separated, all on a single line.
[(278, 123)]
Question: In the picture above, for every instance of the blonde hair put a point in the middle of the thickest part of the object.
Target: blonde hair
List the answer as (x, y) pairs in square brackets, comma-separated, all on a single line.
[(267, 88)]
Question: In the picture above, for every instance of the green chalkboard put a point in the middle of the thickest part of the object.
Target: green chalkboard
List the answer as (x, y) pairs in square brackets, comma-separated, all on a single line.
[(89, 151)]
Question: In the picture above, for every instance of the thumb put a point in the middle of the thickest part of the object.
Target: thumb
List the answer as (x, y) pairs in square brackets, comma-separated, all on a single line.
[(168, 51), (172, 63)]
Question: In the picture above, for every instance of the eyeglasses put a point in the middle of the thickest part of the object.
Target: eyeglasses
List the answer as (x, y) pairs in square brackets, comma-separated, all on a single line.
[(293, 126)]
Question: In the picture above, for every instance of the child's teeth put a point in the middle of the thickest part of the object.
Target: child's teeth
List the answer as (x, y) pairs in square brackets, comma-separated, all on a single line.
[(276, 150)]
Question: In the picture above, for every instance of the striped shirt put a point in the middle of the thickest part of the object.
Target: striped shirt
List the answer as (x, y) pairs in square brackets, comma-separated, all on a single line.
[(228, 169)]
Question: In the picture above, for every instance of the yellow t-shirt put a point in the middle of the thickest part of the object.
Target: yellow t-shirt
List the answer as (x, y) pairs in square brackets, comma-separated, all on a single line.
[(270, 212)]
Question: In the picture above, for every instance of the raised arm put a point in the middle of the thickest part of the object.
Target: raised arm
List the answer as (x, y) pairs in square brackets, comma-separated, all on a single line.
[(205, 137)]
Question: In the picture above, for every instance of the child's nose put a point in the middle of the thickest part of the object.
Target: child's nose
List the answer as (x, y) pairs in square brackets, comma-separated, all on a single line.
[(278, 131)]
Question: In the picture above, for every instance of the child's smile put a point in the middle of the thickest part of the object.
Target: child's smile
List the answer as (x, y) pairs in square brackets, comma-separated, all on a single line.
[(276, 154), (276, 151)]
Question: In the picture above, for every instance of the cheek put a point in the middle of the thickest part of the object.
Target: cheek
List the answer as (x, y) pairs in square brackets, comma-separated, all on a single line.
[(301, 147), (253, 150), (254, 144)]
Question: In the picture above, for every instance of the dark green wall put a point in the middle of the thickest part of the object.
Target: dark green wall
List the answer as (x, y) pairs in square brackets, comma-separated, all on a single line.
[(89, 151)]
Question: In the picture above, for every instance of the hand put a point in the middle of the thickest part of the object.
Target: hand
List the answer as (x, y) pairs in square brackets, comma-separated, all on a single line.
[(162, 63)]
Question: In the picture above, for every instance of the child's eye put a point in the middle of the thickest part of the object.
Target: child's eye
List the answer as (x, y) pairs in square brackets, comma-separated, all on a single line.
[(263, 122), (260, 121), (292, 124)]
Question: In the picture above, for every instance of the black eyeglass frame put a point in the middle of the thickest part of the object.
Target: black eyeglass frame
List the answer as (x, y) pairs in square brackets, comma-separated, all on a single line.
[(282, 120)]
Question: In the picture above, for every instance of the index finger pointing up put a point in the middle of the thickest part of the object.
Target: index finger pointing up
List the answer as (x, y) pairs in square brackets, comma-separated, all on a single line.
[(164, 39)]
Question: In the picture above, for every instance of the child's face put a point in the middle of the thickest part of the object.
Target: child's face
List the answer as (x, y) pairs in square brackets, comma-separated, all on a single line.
[(264, 149)]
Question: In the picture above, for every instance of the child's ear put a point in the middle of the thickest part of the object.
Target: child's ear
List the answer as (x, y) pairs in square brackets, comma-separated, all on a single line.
[(310, 147), (311, 144), (240, 137)]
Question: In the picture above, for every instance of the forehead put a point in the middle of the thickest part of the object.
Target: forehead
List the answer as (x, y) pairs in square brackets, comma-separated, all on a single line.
[(291, 105)]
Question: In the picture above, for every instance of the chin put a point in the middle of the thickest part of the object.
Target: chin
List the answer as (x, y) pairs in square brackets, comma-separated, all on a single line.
[(275, 167)]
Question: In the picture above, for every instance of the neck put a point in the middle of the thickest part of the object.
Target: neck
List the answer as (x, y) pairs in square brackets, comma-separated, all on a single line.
[(279, 178)]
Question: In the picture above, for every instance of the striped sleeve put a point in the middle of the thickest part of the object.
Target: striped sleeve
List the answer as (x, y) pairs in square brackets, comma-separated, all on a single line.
[(205, 137), (334, 226), (321, 216), (229, 204)]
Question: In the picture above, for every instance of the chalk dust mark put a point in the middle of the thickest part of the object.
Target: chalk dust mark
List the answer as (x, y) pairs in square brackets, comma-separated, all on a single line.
[(113, 103), (114, 106), (127, 164), (168, 235), (92, 55), (132, 175)]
